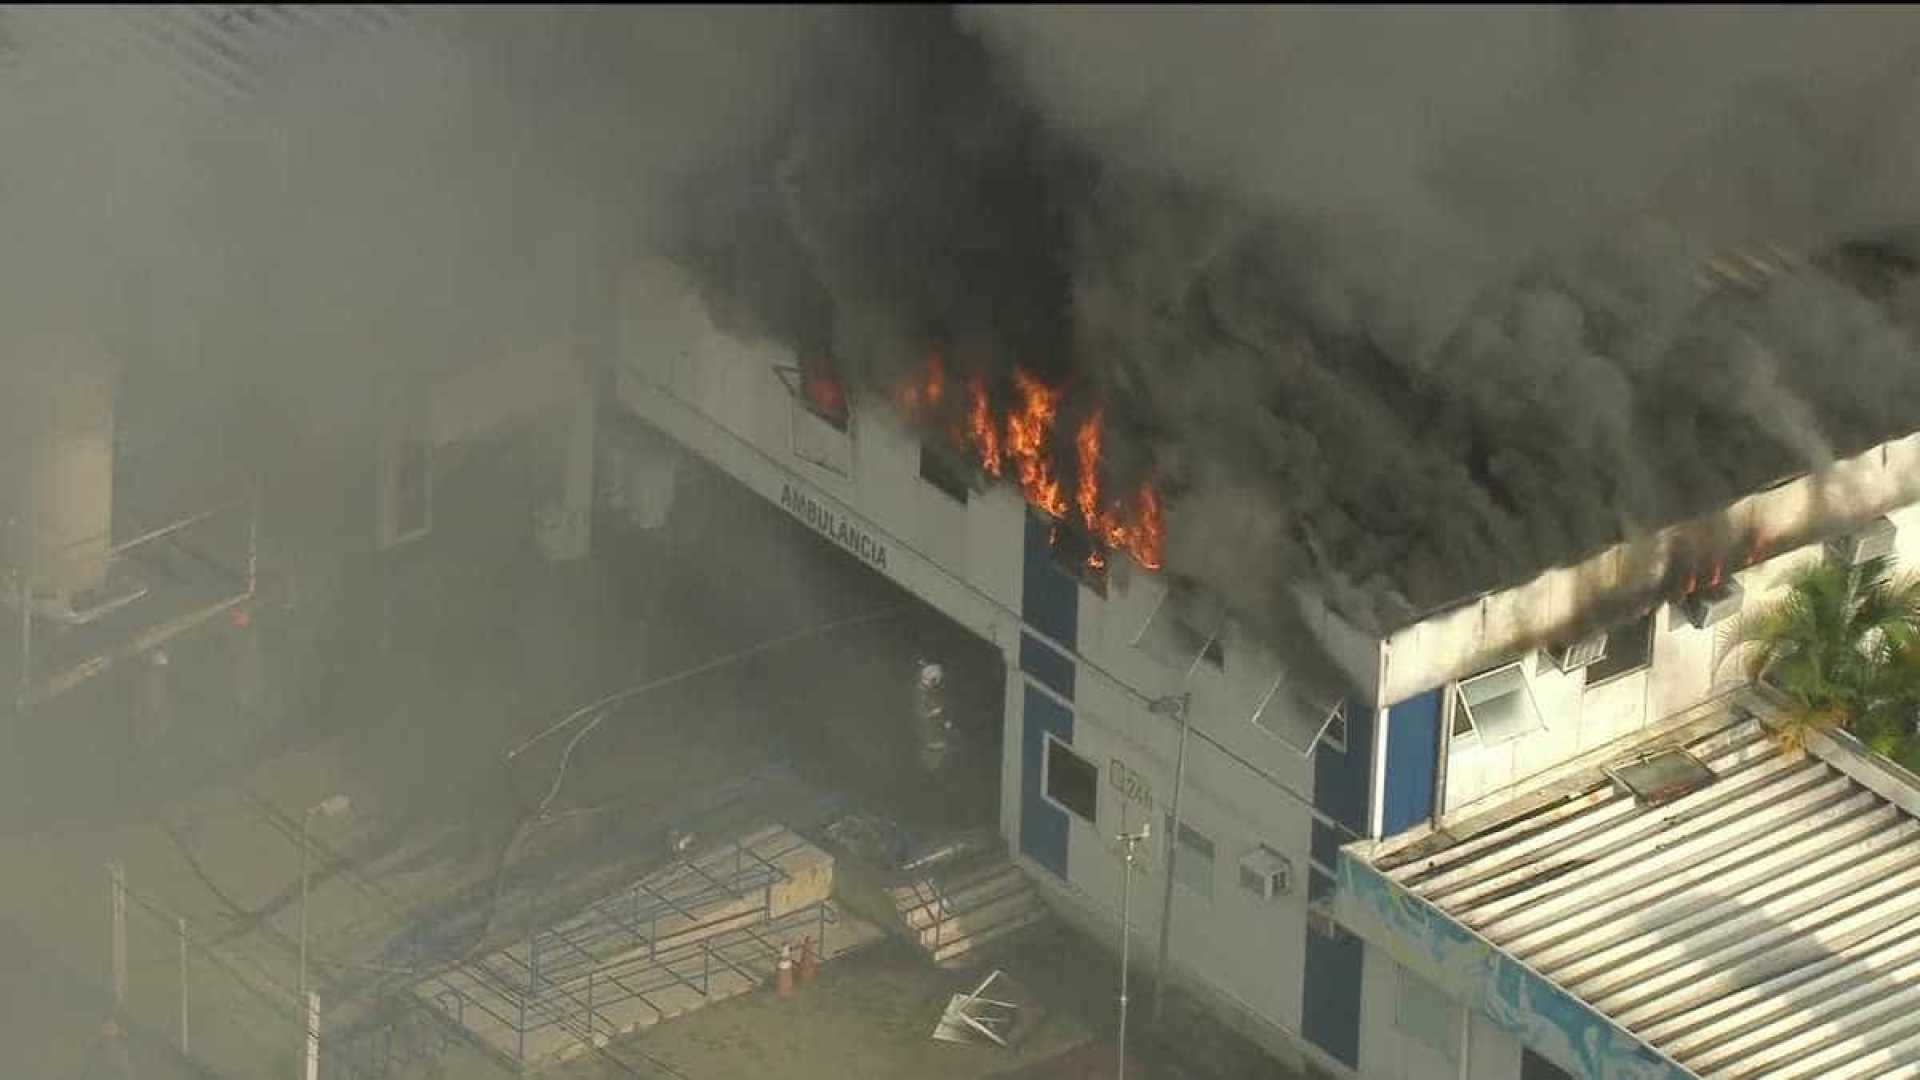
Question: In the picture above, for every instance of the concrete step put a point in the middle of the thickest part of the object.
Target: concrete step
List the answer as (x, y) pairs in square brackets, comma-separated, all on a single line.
[(951, 953), (982, 894), (1011, 909)]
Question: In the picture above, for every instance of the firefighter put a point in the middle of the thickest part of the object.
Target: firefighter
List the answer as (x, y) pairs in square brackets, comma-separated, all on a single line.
[(932, 722)]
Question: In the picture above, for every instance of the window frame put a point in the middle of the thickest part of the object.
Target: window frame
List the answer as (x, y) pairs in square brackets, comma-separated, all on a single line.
[(1461, 708), (1336, 718), (1180, 830), (1617, 636), (1056, 743), (1450, 1019), (945, 476)]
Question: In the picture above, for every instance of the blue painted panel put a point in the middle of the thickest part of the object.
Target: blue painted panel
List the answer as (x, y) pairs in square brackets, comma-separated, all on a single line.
[(1340, 780), (1049, 596), (1043, 827), (1540, 1015), (1330, 1016), (1413, 762), (1049, 667)]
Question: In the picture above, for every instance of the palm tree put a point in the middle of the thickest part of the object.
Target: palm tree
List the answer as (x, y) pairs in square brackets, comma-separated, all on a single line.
[(1890, 723), (1840, 646)]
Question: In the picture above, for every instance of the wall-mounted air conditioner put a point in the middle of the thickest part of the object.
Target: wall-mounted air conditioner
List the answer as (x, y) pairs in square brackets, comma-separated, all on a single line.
[(1265, 873), (1588, 650), (1873, 541), (1714, 604)]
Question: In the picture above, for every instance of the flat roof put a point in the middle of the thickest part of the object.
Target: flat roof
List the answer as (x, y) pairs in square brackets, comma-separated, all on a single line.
[(1765, 924)]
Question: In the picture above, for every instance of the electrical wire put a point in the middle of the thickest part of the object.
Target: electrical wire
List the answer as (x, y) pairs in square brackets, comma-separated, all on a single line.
[(599, 709)]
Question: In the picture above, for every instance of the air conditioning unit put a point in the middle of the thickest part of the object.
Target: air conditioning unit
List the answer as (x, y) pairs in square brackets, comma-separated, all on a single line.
[(1588, 650), (1714, 604), (1874, 541), (1265, 873)]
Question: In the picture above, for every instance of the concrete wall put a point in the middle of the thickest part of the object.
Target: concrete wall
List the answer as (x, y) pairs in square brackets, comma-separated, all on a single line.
[(1246, 785), (1688, 666), (1390, 1049), (1472, 636), (721, 398), (1530, 1010)]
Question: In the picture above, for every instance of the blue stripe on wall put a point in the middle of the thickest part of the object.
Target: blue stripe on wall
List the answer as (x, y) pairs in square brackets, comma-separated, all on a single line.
[(1043, 827), (1330, 1017), (1049, 596), (1055, 671), (1050, 602), (1413, 762)]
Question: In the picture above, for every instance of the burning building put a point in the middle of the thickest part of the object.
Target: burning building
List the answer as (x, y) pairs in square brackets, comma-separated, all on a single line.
[(1249, 541), (991, 504)]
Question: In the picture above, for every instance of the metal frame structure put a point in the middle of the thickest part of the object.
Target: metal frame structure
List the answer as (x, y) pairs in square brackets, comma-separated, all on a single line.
[(129, 636), (567, 975)]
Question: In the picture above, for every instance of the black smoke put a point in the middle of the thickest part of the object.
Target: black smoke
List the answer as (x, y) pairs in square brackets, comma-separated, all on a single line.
[(1403, 322)]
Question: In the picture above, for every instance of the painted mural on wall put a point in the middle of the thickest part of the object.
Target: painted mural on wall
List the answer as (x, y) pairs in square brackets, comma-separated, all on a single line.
[(1540, 1015)]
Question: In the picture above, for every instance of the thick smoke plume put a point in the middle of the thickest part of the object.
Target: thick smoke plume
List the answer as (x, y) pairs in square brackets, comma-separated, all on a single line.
[(1402, 303), (1407, 304)]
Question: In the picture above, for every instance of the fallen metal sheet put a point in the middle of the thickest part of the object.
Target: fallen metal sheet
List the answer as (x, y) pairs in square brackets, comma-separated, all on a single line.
[(973, 1018)]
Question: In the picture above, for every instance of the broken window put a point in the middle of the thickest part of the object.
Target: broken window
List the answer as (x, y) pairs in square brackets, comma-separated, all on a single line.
[(821, 416), (939, 469), (1496, 706), (1629, 648), (1073, 782), (1076, 554)]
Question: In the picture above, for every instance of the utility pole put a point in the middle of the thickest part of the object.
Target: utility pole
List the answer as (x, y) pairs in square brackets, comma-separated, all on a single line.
[(312, 1071), (1131, 841), (119, 876), (1178, 707), (309, 1003), (185, 1046)]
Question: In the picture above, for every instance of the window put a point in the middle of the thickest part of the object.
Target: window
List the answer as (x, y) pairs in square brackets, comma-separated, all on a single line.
[(1073, 782), (1535, 1067), (1191, 642), (1496, 706), (1193, 860), (1423, 1013), (1075, 553), (816, 386), (1173, 634), (1334, 735), (821, 416), (1629, 649), (939, 469)]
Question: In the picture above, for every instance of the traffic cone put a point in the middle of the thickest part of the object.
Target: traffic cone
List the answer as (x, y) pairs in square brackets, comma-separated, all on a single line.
[(783, 973), (809, 961)]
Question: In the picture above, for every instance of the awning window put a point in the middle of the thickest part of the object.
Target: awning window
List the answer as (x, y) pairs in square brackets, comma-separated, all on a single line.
[(1498, 706)]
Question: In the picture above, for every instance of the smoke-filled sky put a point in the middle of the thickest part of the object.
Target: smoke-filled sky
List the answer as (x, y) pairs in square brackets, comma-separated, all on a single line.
[(1403, 301)]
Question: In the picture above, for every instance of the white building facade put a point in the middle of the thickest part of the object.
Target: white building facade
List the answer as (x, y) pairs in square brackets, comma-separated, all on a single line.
[(1277, 778)]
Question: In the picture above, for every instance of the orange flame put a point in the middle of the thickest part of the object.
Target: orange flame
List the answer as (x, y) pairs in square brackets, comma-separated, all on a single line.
[(986, 434), (1022, 446), (1029, 431), (1086, 444)]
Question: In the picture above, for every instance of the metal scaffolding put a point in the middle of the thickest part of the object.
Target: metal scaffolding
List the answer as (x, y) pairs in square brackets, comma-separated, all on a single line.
[(701, 928)]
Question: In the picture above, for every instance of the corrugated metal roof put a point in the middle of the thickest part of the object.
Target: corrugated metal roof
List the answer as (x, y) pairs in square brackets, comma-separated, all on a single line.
[(1766, 925), (195, 52)]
